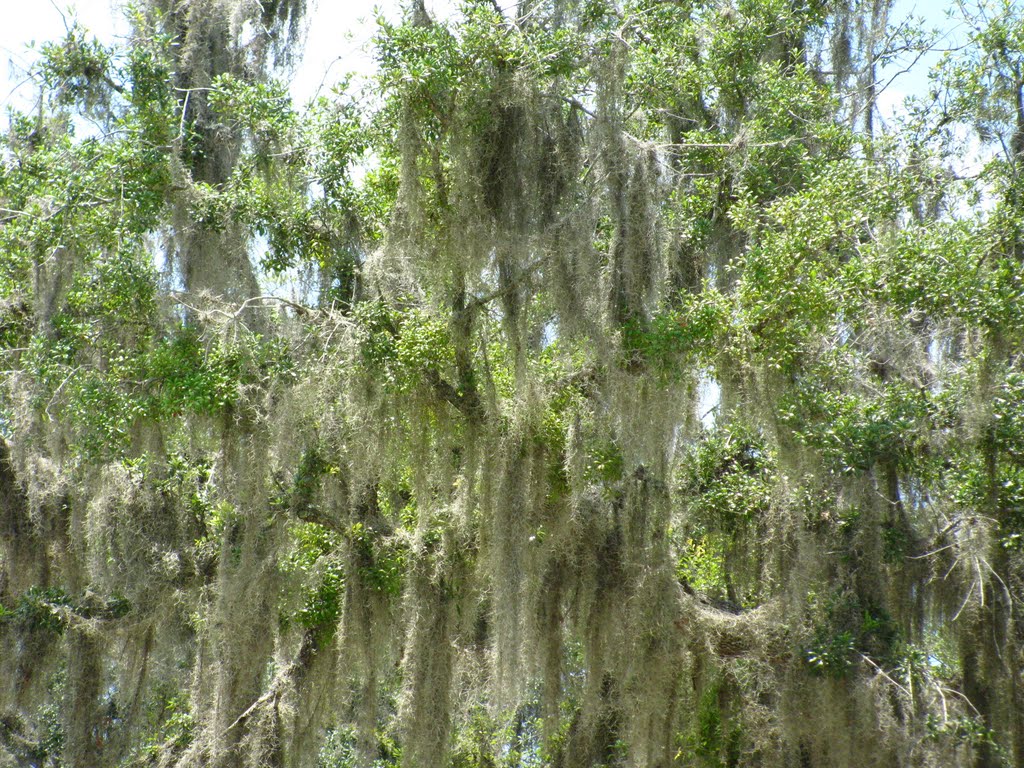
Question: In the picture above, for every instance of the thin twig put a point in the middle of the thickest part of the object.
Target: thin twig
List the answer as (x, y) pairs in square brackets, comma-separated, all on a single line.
[(884, 674)]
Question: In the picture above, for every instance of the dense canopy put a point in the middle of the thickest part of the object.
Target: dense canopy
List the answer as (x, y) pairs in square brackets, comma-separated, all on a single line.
[(612, 383)]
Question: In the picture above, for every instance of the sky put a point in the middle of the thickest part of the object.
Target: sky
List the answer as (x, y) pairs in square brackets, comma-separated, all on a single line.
[(337, 41)]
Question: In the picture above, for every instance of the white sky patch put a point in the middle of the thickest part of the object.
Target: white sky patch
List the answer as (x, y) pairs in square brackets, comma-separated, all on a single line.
[(890, 103), (27, 25), (709, 398)]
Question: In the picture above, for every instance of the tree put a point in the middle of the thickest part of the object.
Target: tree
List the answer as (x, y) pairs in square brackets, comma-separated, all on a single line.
[(650, 406)]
